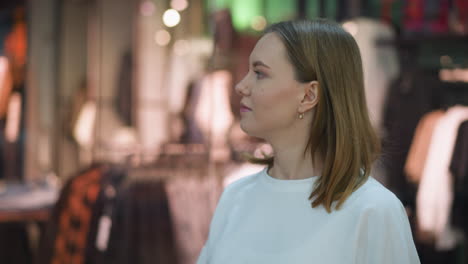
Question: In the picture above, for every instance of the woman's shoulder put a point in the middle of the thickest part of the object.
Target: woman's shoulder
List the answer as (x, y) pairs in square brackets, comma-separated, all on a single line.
[(241, 184), (373, 196)]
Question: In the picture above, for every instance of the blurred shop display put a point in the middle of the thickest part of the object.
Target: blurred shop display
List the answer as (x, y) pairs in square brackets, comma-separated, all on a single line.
[(159, 211), (424, 109), (12, 92), (19, 202)]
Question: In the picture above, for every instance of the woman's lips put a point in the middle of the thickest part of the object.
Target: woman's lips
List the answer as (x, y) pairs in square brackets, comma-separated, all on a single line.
[(244, 108)]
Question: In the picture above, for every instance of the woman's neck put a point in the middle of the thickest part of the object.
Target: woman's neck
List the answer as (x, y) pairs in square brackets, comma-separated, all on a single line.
[(291, 164)]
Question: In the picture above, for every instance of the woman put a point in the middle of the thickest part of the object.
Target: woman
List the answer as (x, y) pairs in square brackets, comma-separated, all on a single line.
[(315, 201)]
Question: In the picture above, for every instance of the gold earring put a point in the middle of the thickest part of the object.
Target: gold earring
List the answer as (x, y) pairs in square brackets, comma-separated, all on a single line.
[(301, 116)]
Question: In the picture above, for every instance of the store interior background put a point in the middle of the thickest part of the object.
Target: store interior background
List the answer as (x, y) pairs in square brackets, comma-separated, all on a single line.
[(119, 123)]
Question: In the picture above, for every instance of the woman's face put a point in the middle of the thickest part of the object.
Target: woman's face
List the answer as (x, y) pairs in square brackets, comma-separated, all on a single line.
[(270, 94)]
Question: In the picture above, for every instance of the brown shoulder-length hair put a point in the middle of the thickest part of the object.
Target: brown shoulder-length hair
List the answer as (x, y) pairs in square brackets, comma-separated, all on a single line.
[(341, 132)]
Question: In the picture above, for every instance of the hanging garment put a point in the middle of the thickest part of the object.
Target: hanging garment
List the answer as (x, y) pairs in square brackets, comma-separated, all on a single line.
[(124, 99), (459, 170), (462, 15), (355, 8), (192, 200), (191, 132), (12, 131), (2, 149), (380, 64), (459, 163), (66, 237), (386, 14), (75, 228), (435, 193), (212, 114), (414, 15), (437, 16), (428, 255), (76, 105), (83, 131), (410, 97), (6, 85), (431, 9), (343, 10), (397, 13), (14, 244), (16, 45), (420, 146), (364, 8), (141, 228), (13, 119), (101, 227), (188, 62)]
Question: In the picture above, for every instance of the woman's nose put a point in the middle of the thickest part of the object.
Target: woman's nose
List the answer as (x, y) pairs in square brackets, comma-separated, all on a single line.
[(241, 88)]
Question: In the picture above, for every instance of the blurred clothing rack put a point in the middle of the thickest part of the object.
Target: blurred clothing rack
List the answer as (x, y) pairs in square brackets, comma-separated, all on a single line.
[(137, 155), (417, 39)]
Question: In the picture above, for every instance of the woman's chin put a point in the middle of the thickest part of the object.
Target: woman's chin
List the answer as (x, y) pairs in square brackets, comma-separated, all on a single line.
[(245, 127), (249, 129)]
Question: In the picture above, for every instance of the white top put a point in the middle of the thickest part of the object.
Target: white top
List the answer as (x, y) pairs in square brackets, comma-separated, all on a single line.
[(263, 220)]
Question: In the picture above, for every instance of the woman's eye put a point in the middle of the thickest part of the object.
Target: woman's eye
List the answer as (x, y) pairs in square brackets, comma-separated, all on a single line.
[(259, 75)]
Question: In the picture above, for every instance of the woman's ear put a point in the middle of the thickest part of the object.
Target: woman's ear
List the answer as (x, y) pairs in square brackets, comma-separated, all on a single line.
[(310, 96)]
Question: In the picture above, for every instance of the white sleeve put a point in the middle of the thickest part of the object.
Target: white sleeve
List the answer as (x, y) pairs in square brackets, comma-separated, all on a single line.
[(384, 236), (203, 258), (216, 227)]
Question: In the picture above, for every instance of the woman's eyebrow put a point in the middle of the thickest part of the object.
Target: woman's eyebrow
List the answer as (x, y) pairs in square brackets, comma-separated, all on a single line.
[(260, 63)]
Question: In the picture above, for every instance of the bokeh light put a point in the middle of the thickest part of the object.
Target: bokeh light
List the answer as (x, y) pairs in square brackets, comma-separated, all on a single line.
[(147, 8), (259, 23), (162, 37), (171, 18), (179, 5)]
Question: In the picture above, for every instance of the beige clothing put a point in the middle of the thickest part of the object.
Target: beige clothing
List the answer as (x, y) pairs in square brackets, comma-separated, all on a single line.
[(434, 198), (420, 146)]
